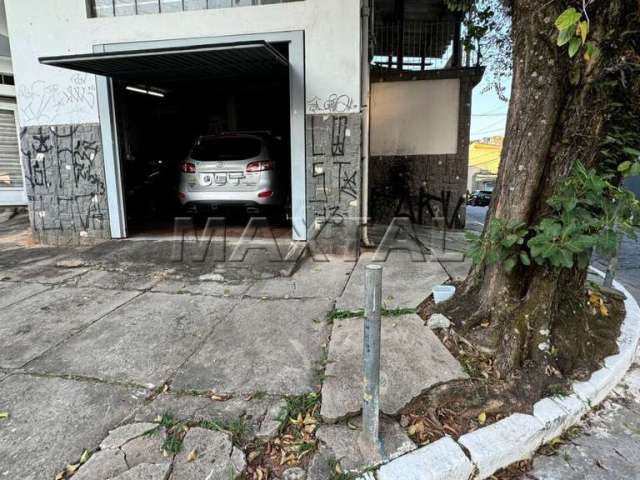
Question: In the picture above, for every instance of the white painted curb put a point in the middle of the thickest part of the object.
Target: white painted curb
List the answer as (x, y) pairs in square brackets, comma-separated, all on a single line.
[(518, 436)]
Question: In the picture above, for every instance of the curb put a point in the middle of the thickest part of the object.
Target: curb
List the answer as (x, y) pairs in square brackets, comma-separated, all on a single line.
[(481, 453)]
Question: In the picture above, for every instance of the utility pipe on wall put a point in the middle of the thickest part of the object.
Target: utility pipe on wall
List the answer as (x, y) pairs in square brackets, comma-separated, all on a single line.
[(365, 98)]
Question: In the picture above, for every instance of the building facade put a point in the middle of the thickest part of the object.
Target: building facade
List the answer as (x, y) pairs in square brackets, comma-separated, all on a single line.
[(372, 98)]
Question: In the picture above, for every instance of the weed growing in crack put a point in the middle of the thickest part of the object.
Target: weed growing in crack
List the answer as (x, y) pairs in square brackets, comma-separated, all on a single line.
[(238, 428), (337, 314)]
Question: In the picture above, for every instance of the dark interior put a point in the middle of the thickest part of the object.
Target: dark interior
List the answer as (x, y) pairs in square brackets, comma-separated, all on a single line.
[(156, 133)]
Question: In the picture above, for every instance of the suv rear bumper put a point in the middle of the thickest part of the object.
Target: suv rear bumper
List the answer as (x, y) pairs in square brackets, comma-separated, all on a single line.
[(248, 199)]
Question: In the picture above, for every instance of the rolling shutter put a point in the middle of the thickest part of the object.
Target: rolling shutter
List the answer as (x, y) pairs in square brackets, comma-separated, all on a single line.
[(10, 171)]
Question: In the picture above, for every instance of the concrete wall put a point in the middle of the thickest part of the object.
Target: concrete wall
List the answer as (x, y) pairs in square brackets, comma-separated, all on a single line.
[(65, 183), (334, 181), (50, 97), (60, 27), (415, 117)]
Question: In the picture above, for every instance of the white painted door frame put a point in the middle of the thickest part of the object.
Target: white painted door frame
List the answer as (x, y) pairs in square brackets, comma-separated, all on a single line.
[(108, 125)]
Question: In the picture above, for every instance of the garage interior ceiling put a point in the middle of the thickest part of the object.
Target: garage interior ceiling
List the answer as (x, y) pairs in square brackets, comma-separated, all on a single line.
[(219, 62)]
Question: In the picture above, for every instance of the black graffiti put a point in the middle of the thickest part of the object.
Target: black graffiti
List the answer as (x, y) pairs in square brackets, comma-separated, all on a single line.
[(347, 181), (65, 182), (338, 136)]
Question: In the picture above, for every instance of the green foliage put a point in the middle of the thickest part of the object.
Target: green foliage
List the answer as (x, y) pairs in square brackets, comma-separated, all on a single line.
[(502, 243), (588, 213), (573, 31)]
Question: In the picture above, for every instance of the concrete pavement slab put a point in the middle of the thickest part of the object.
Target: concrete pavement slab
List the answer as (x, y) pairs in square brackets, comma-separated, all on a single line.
[(52, 420), (29, 328), (271, 346), (342, 441), (314, 279), (40, 272), (216, 457), (13, 292), (195, 286), (119, 279), (405, 284), (413, 360), (144, 342)]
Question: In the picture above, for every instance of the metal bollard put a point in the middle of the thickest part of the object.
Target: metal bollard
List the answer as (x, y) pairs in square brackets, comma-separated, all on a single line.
[(370, 439)]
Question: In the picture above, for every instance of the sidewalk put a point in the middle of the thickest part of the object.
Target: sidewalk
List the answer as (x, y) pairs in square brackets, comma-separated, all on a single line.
[(96, 337)]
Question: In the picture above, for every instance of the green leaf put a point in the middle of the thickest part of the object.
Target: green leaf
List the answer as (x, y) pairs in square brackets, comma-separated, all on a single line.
[(568, 19), (3, 415), (584, 30), (574, 46), (524, 258), (565, 37), (591, 51), (510, 263), (624, 166), (632, 151)]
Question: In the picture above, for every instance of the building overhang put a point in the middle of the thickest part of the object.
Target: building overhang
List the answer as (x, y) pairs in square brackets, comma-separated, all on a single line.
[(212, 62)]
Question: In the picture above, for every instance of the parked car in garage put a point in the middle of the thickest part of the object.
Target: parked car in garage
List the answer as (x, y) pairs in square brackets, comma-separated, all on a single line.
[(246, 169), (480, 198)]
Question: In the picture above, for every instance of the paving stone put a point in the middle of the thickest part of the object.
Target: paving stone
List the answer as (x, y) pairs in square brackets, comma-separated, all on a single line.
[(441, 460), (12, 292), (123, 434), (103, 465), (342, 443), (412, 360), (197, 408), (216, 457), (271, 346), (143, 342), (34, 325), (320, 467), (53, 420), (274, 416), (314, 279), (146, 471), (405, 284), (458, 269), (146, 449)]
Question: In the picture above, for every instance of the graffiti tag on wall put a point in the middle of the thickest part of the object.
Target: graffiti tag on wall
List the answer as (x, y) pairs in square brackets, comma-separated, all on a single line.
[(334, 180), (65, 179), (43, 103)]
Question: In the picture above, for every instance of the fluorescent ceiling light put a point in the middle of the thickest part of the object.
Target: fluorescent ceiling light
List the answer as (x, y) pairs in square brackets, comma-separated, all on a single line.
[(145, 91)]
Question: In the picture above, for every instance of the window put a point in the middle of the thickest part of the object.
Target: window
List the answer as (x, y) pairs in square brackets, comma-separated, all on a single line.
[(116, 8), (229, 148)]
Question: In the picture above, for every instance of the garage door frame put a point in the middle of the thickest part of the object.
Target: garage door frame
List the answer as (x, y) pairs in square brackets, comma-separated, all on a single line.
[(112, 164)]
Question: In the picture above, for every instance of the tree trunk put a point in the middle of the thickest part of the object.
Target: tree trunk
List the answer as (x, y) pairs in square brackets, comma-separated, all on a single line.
[(557, 115)]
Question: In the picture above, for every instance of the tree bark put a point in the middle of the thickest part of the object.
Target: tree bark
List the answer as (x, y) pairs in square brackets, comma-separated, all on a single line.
[(557, 115)]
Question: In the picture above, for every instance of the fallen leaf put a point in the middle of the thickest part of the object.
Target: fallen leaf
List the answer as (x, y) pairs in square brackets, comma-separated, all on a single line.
[(482, 418), (4, 415), (86, 455), (72, 468), (193, 455)]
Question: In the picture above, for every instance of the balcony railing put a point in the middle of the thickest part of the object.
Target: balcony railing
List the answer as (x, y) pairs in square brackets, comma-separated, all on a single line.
[(419, 46), (116, 8)]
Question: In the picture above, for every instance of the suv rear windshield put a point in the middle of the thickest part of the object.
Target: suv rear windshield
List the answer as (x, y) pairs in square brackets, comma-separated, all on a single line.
[(229, 148)]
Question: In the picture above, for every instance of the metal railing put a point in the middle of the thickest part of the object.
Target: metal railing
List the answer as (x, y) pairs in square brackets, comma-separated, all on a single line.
[(117, 8), (419, 46)]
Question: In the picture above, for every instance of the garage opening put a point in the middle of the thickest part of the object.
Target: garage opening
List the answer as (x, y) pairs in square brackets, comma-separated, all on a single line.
[(200, 132)]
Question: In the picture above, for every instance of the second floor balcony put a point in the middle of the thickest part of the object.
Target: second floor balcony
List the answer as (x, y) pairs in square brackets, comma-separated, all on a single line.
[(417, 45)]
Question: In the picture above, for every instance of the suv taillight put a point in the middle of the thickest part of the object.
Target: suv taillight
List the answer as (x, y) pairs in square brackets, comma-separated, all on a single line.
[(260, 166), (188, 168)]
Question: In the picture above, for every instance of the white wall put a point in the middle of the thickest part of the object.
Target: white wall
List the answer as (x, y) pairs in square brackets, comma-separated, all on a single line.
[(49, 95), (415, 117)]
